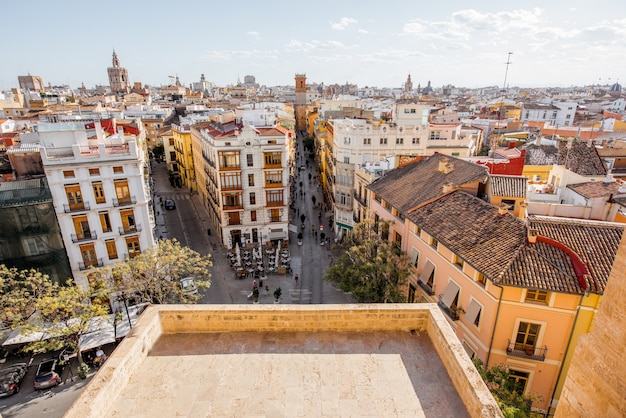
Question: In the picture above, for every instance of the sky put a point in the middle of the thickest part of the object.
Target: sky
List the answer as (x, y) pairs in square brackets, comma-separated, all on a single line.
[(462, 43)]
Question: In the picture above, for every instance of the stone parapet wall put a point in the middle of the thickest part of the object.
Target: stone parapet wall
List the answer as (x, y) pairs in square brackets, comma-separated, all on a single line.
[(111, 380), (223, 318)]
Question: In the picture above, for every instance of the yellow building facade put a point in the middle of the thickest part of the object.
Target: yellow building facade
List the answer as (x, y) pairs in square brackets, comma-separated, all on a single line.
[(184, 156), (517, 293)]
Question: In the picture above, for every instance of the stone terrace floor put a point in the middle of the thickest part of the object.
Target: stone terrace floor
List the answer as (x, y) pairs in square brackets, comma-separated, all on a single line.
[(291, 374)]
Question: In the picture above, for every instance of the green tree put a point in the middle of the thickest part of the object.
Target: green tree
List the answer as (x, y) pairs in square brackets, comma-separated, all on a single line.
[(32, 302), (19, 292), (158, 151), (506, 391), (154, 275), (65, 314), (371, 267)]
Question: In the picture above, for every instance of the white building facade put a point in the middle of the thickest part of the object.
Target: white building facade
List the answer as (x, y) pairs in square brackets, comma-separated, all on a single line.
[(359, 143), (245, 180), (101, 193)]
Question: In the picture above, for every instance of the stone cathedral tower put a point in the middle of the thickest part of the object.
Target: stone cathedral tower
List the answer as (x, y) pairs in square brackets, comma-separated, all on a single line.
[(118, 77), (300, 105)]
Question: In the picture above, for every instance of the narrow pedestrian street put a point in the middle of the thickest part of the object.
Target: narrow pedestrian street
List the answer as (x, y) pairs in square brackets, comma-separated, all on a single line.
[(190, 223)]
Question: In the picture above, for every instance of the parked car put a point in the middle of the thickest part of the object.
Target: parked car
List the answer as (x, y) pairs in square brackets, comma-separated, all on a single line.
[(188, 286), (48, 374), (11, 379), (170, 204)]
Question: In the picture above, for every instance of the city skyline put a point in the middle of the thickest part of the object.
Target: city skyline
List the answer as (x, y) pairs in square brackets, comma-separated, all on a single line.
[(557, 44)]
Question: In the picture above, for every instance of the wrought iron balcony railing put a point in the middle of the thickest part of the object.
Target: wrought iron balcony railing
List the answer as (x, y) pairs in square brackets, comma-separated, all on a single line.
[(526, 351), (85, 236)]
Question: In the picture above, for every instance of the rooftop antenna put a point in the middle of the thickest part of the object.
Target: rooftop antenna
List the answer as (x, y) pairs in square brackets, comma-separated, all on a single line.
[(506, 73)]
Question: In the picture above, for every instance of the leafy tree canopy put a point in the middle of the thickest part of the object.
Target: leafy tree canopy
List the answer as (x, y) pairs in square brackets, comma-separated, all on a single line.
[(506, 391), (32, 302), (154, 275), (371, 267), (158, 150)]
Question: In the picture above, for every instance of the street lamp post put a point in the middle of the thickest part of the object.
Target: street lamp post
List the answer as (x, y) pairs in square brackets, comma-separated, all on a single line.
[(122, 298)]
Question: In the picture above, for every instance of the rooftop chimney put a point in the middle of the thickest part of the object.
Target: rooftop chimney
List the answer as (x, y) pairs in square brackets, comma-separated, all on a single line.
[(503, 209), (522, 209), (442, 165), (448, 187), (445, 166), (531, 236)]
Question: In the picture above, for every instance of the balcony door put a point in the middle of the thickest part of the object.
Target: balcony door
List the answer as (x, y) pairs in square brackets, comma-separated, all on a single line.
[(527, 335), (74, 197)]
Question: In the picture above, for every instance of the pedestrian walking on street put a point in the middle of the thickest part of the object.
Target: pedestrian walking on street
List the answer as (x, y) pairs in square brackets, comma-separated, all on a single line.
[(65, 361), (331, 261), (296, 278)]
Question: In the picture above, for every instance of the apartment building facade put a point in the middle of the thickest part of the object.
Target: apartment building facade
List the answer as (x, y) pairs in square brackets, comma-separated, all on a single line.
[(101, 193), (245, 174), (354, 143), (516, 292), (29, 232)]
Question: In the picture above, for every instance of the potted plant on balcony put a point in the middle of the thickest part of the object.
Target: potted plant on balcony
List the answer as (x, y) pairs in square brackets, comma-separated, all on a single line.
[(277, 293)]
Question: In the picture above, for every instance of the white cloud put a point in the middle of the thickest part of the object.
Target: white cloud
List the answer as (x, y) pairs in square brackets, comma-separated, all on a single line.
[(299, 46), (363, 31), (253, 34), (231, 55), (343, 23)]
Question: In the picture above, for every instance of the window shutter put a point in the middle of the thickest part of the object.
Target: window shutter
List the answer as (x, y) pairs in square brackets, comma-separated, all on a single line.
[(472, 312), (451, 291), (426, 272)]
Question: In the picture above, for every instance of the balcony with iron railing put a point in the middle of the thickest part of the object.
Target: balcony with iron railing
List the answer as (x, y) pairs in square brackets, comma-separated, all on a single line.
[(84, 236), (130, 229), (526, 351), (90, 263), (453, 313), (205, 157), (76, 207), (424, 286), (124, 201), (360, 199), (233, 206)]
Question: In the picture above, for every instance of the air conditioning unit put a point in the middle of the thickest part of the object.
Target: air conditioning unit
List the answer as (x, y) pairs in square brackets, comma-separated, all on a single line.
[(536, 177)]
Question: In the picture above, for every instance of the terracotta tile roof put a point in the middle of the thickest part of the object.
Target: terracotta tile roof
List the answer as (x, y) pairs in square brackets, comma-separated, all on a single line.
[(541, 155), (272, 131), (595, 242), (496, 245), (508, 152), (416, 183), (595, 189), (472, 229), (580, 158), (508, 186)]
